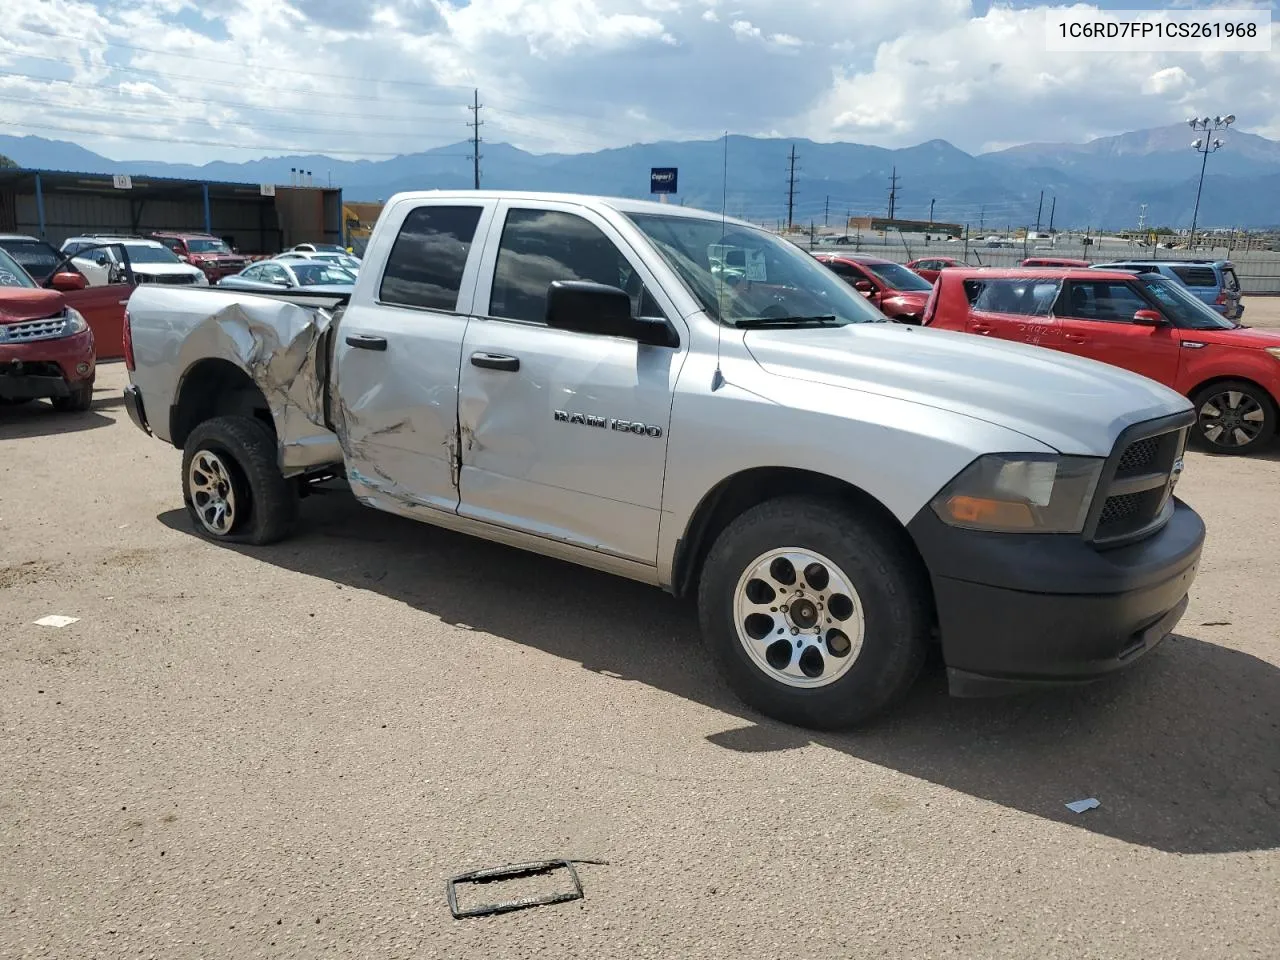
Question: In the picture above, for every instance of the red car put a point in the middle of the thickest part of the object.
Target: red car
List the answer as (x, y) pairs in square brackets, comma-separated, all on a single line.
[(46, 346), (211, 254), (102, 307), (900, 294), (1145, 323), (1054, 262), (930, 267)]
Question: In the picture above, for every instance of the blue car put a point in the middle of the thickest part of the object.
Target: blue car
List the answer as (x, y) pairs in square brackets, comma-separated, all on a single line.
[(1213, 281)]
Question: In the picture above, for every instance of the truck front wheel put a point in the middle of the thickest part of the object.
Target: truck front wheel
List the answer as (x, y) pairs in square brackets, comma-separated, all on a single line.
[(817, 615), (232, 486)]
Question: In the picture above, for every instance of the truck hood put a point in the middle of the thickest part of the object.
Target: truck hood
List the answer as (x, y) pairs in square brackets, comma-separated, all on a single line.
[(20, 304), (165, 269), (1074, 405)]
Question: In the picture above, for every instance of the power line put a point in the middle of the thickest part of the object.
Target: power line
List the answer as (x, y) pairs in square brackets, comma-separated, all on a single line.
[(240, 104), (213, 143), (475, 126)]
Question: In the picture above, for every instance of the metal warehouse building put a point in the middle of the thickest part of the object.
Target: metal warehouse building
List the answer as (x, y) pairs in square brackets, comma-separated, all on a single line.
[(255, 218)]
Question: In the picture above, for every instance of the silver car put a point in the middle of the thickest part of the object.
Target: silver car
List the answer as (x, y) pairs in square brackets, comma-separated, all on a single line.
[(308, 275)]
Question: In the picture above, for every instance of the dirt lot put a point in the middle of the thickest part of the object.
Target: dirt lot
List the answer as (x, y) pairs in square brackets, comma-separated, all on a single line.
[(285, 751)]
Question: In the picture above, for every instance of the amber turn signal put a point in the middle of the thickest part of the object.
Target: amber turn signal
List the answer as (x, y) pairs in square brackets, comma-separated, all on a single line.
[(985, 512)]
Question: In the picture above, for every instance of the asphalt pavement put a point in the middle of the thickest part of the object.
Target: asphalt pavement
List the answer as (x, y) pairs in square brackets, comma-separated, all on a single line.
[(285, 752)]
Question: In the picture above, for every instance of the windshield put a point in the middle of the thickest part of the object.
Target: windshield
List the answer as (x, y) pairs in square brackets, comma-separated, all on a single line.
[(195, 245), (1186, 309), (898, 277), (341, 259), (34, 256), (138, 253), (742, 273), (11, 274), (313, 273)]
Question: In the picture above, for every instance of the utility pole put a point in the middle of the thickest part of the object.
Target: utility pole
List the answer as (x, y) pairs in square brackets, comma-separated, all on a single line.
[(791, 190), (982, 218), (475, 126), (1142, 217), (1205, 146), (931, 203), (826, 213), (1039, 210), (893, 192), (1052, 207)]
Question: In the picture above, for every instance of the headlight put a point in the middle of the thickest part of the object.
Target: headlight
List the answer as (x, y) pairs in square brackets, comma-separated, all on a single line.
[(1029, 493), (74, 323), (1274, 351)]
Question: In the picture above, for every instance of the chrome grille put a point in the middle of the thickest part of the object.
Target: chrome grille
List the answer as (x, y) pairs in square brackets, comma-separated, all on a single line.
[(29, 330)]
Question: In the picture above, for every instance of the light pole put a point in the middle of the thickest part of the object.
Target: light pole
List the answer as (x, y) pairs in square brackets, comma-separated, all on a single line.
[(1205, 145)]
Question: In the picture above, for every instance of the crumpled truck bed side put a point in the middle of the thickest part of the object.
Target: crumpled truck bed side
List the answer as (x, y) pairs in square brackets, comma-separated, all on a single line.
[(279, 344)]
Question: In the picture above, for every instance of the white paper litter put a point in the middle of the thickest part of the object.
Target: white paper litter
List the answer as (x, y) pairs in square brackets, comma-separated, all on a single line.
[(1080, 806), (56, 620)]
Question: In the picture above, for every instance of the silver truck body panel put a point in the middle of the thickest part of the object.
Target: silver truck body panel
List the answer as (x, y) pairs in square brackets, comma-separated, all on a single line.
[(533, 457), (270, 340)]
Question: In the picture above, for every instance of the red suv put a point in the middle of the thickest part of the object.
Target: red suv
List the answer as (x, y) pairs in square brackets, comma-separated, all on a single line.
[(930, 267), (1054, 262), (211, 254), (46, 347), (900, 294), (1146, 323)]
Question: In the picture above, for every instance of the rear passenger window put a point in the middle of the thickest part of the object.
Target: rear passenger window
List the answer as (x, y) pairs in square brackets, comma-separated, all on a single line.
[(1019, 296), (1196, 276), (1116, 302), (426, 262)]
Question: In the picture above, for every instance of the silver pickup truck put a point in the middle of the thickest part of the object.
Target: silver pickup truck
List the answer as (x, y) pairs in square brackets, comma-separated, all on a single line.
[(583, 378)]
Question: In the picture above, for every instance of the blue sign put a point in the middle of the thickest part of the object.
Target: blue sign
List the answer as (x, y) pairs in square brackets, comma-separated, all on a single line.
[(663, 180)]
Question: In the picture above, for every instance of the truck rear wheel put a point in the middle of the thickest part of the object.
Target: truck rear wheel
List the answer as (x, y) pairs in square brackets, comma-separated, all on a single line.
[(232, 485), (816, 615)]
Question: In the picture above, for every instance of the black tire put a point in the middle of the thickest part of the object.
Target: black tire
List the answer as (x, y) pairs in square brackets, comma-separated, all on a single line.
[(1254, 397), (78, 401), (893, 590), (266, 503)]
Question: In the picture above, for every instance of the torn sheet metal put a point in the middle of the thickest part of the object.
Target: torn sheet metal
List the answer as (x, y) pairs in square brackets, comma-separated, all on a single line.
[(277, 344)]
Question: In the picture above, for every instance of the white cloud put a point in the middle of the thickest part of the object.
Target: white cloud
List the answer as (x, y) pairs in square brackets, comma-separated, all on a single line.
[(242, 76)]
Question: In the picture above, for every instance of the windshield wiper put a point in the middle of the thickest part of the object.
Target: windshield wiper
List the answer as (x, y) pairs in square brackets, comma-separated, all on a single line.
[(751, 323)]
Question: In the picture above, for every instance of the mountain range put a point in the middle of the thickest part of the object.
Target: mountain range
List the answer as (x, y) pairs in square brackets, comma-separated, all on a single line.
[(1101, 184)]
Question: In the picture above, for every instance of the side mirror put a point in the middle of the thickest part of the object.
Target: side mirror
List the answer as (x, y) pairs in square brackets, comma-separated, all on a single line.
[(67, 281), (1148, 318), (184, 258), (864, 286), (598, 308)]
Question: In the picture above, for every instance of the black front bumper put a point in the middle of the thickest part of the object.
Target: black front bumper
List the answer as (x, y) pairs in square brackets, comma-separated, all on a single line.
[(1021, 610), (137, 412)]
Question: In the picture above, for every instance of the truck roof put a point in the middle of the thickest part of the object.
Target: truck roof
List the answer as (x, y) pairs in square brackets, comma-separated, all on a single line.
[(620, 204)]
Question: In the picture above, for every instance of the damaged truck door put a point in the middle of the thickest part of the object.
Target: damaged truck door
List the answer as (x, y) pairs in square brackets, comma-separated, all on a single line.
[(564, 430), (396, 358)]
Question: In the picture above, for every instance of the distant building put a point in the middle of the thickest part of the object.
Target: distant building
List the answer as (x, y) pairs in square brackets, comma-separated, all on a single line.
[(880, 225)]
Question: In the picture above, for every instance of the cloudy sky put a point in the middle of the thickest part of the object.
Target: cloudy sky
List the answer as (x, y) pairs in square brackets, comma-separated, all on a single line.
[(185, 80)]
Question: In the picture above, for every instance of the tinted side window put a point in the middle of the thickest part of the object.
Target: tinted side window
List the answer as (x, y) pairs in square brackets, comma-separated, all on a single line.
[(1022, 297), (1103, 301), (426, 262), (541, 246), (1197, 276)]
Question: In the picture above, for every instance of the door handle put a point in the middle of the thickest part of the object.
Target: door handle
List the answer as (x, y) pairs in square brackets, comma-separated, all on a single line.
[(980, 328), (1076, 338), (364, 341), (495, 361)]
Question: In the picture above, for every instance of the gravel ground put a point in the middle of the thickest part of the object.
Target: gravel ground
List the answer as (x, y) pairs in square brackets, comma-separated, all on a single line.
[(285, 751)]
